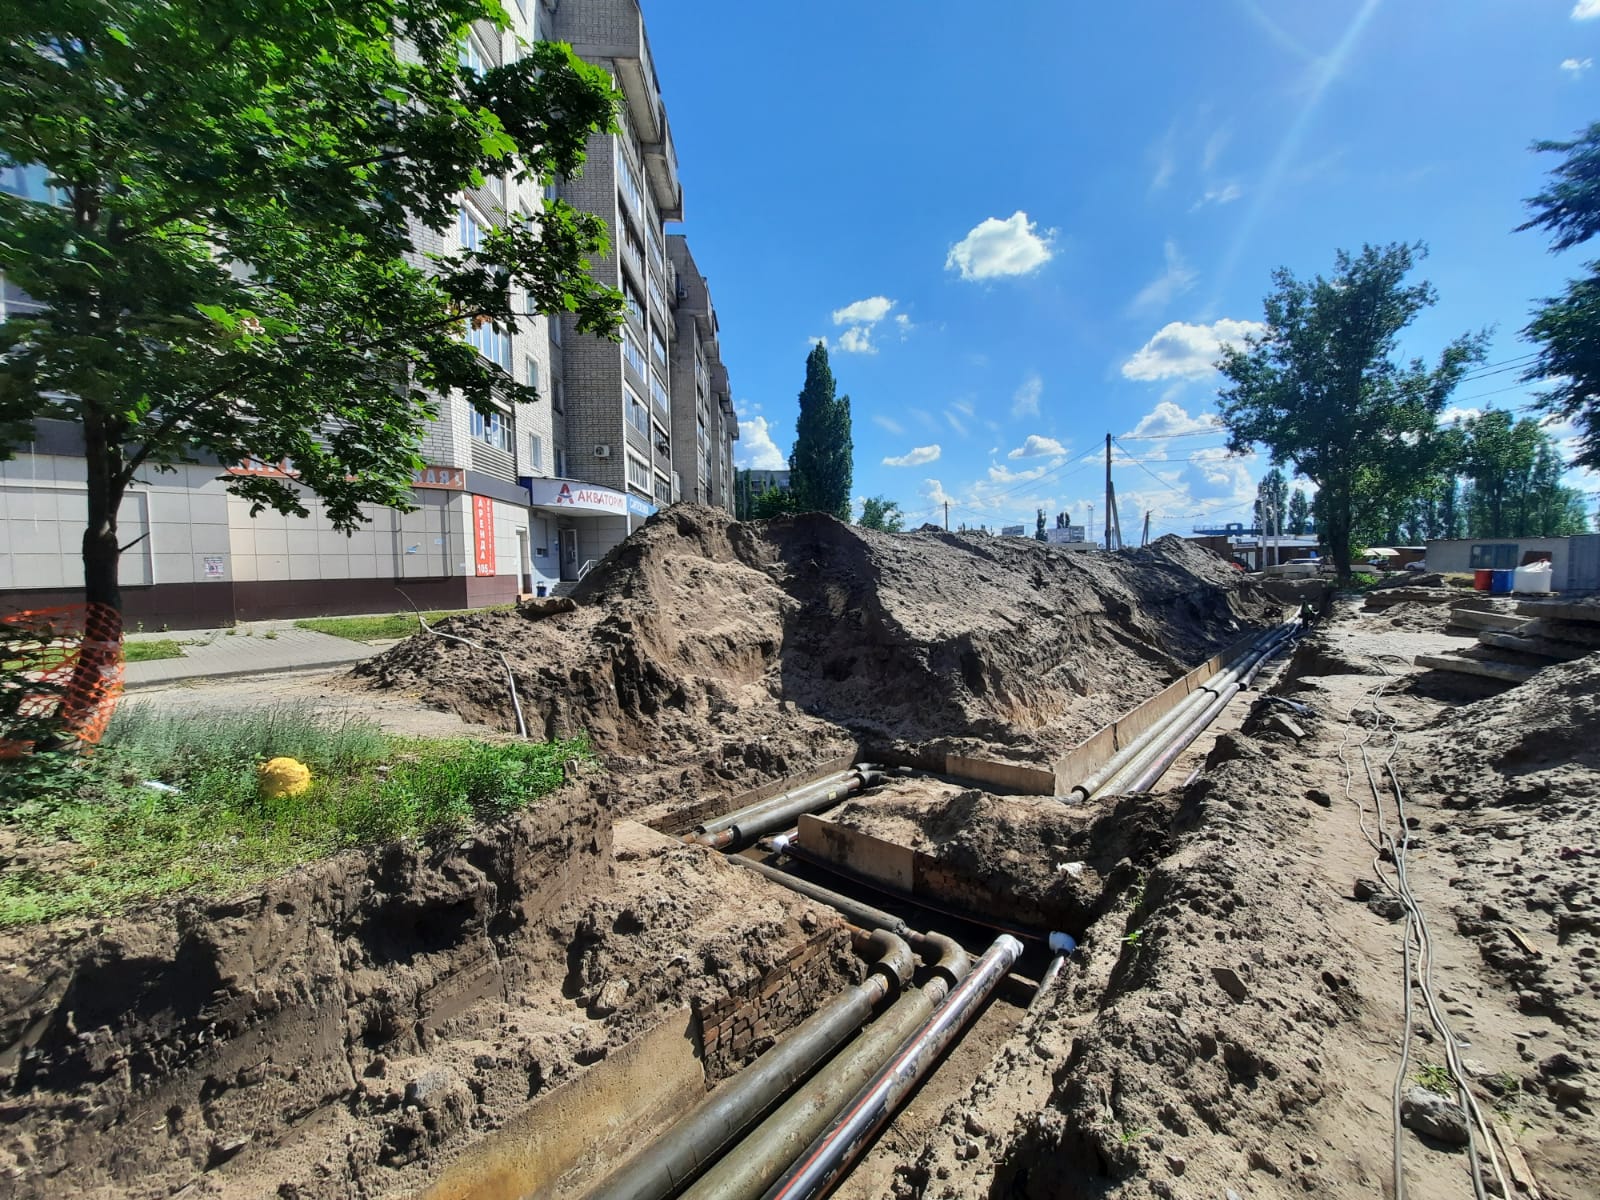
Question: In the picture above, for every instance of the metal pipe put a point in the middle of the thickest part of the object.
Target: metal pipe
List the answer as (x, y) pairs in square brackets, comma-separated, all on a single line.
[(728, 819), (1052, 974), (746, 1170), (693, 1141), (1095, 782), (1157, 767), (833, 1153), (780, 813), (942, 953), (1135, 775)]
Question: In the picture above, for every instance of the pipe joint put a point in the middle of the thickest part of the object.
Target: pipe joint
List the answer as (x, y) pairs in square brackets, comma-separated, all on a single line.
[(891, 955), (949, 959)]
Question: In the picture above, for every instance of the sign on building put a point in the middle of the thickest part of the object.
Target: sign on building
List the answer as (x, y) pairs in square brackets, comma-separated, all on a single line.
[(1013, 530), (1072, 533), (483, 534)]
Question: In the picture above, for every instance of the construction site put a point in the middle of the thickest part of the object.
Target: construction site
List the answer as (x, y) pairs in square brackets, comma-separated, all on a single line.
[(912, 865)]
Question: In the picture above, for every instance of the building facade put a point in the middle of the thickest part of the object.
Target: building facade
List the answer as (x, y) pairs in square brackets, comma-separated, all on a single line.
[(509, 503), (1574, 561)]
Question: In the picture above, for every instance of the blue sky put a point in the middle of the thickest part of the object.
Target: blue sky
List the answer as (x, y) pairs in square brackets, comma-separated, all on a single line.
[(1024, 226)]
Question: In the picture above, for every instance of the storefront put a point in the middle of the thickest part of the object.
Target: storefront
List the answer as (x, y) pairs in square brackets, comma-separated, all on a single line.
[(574, 525)]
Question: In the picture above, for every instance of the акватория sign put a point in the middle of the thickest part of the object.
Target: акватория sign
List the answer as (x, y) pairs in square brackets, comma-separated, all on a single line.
[(585, 497)]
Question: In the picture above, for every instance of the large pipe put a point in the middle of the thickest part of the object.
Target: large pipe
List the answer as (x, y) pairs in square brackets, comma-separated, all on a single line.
[(729, 819), (1156, 764), (743, 827), (746, 1171), (1227, 684), (944, 954), (695, 1140), (833, 1153), (1096, 781)]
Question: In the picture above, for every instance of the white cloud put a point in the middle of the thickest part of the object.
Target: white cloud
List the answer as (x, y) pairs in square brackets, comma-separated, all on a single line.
[(1586, 10), (857, 340), (1002, 474), (1215, 145), (1038, 447), (1577, 66), (1453, 414), (1025, 402), (1225, 193), (904, 325), (916, 457), (1181, 350), (888, 423), (934, 491), (863, 312), (1167, 419), (1165, 157), (756, 447), (1176, 279), (959, 424), (963, 406), (818, 339), (996, 248)]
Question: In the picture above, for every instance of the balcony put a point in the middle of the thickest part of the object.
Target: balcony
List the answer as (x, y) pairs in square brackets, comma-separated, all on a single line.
[(661, 165), (614, 29)]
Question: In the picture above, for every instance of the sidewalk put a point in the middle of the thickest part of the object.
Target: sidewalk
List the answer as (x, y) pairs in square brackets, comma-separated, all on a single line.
[(255, 648)]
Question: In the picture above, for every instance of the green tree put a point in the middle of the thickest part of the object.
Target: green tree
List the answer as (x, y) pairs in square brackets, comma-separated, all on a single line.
[(820, 466), (1299, 513), (1321, 390), (1515, 470), (1038, 527), (774, 502), (225, 197), (1567, 327), (1272, 502), (878, 512)]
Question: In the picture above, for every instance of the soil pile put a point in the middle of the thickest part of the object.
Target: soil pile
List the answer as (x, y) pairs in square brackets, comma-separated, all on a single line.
[(737, 652)]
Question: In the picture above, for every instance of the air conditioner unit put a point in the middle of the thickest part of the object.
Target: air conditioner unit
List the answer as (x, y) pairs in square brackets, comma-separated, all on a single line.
[(602, 451), (663, 447)]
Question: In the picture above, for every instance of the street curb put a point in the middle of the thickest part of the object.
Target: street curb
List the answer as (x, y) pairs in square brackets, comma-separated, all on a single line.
[(128, 686)]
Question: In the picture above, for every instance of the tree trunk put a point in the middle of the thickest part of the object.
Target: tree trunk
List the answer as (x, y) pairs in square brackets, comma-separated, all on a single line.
[(100, 654)]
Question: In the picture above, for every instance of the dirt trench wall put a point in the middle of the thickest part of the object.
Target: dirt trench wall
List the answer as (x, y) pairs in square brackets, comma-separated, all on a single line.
[(145, 1051)]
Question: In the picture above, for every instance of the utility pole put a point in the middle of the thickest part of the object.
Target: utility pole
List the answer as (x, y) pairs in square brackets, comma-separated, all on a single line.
[(1144, 540), (1088, 530), (947, 516), (1109, 509)]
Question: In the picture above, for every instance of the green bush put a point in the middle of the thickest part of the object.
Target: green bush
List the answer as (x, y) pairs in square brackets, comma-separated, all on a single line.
[(170, 803)]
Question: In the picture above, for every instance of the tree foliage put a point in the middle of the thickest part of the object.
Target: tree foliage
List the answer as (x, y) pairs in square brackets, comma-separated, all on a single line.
[(1567, 327), (1514, 470), (1272, 503), (227, 198), (883, 514), (1299, 513), (1321, 388), (820, 466), (774, 502)]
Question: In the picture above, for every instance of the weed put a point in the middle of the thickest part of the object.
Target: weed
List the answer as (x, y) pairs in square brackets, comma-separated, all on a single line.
[(108, 838), (377, 629), (270, 635), (1129, 1136), (231, 632), (151, 651), (1436, 1079), (1133, 939)]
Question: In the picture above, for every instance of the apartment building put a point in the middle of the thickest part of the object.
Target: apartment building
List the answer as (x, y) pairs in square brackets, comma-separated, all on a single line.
[(704, 427), (508, 504)]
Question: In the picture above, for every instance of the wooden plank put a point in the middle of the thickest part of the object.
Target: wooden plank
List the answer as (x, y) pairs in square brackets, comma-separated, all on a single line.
[(860, 852), (1014, 777), (1561, 610), (1504, 672), (1538, 647), (1521, 1176), (1577, 633), (1476, 619)]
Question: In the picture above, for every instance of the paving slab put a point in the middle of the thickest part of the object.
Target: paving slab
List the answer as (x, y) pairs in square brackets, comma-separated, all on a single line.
[(256, 649)]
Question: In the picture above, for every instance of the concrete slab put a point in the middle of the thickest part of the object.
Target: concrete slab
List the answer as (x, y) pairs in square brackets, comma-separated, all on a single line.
[(247, 650)]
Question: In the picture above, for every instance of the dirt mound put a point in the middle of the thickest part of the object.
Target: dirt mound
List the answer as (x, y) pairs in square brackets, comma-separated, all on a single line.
[(737, 652), (1537, 743)]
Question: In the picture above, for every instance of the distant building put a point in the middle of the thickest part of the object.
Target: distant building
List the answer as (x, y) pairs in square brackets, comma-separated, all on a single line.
[(760, 481), (1574, 561)]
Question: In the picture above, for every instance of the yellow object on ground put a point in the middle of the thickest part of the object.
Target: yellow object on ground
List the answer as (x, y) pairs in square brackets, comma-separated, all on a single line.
[(284, 776)]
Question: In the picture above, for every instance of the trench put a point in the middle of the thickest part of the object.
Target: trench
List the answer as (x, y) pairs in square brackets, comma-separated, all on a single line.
[(853, 831)]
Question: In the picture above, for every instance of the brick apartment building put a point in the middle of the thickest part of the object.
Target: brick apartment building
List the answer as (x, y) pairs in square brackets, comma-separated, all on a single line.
[(521, 500)]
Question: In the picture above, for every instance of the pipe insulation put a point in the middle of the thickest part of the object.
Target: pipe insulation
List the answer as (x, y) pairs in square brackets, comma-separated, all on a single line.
[(832, 1153), (779, 812), (696, 1139)]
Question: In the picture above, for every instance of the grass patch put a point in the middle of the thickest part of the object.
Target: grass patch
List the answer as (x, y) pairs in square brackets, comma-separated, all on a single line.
[(153, 651), (380, 629), (92, 835), (1436, 1079)]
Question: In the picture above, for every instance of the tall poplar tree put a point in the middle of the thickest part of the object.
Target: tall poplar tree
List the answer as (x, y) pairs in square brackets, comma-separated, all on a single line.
[(820, 465)]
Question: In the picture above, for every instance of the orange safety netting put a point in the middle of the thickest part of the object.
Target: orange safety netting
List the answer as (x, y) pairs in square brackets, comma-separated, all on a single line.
[(60, 675)]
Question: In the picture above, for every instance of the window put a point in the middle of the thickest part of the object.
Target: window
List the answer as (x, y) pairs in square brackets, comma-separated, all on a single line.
[(663, 491), (638, 415), (633, 352), (658, 346), (561, 464), (14, 302), (631, 253), (530, 372), (638, 474), (29, 183), (492, 430), (554, 324), (631, 299), (535, 454), (470, 230), (1500, 556), (656, 254), (469, 56), (658, 394), (558, 402), (628, 182), (490, 342), (656, 296)]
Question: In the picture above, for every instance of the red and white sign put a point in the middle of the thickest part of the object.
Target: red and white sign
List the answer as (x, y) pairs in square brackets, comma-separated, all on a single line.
[(561, 493), (483, 534)]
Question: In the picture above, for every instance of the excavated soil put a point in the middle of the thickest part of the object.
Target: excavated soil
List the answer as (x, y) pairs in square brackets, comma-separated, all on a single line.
[(709, 656)]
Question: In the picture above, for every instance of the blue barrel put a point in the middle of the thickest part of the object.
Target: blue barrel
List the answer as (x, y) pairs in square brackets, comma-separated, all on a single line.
[(1501, 583)]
